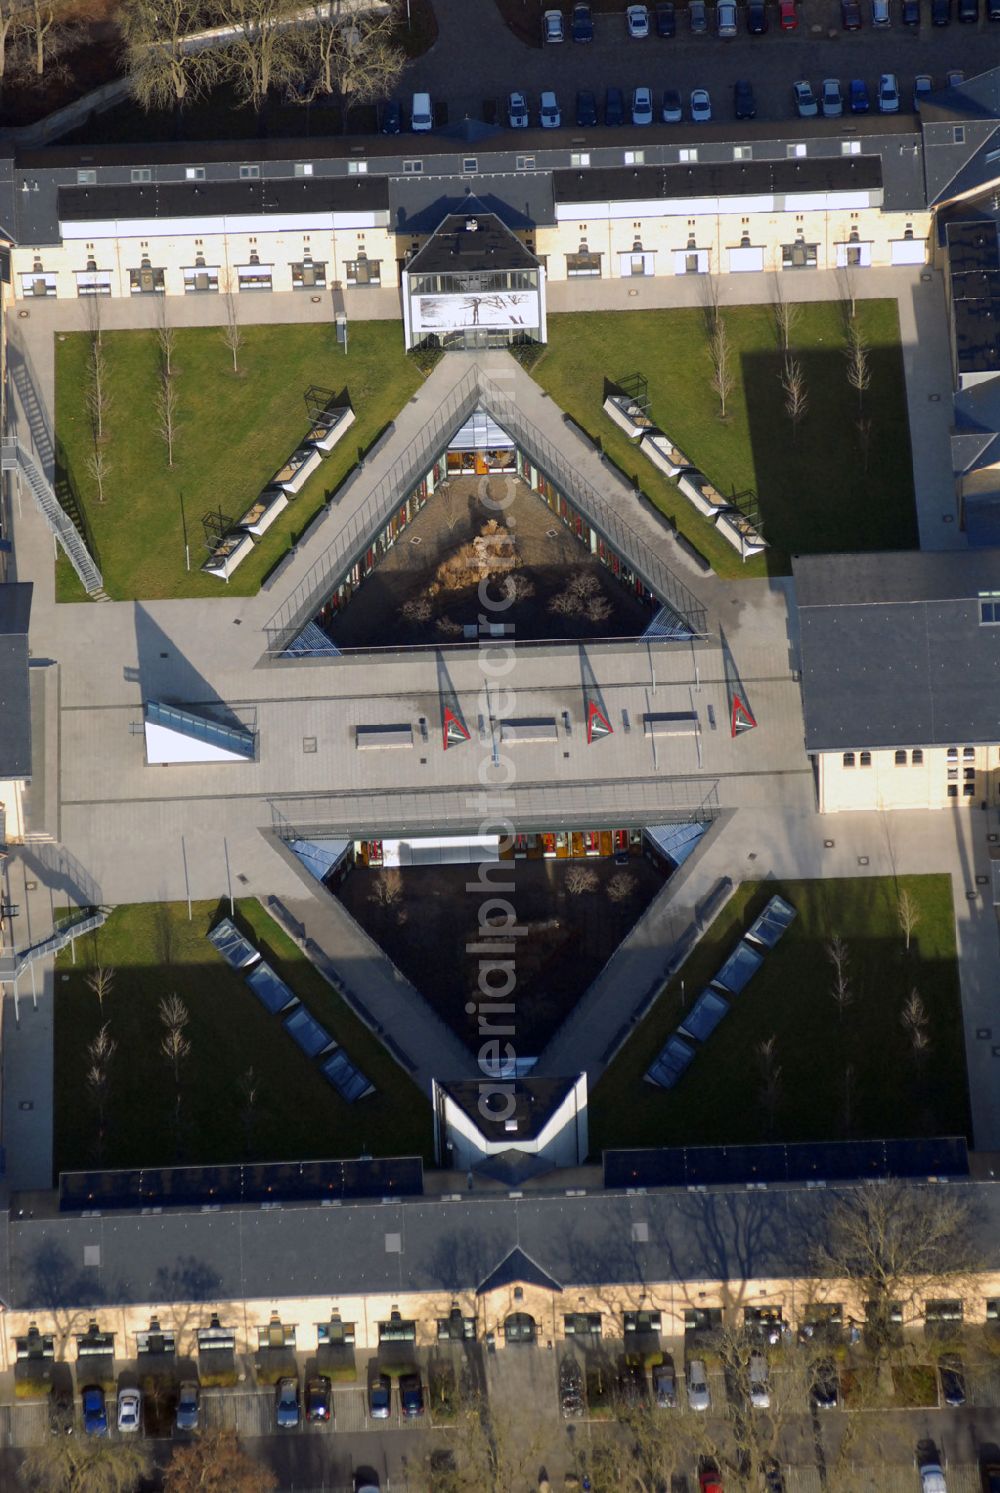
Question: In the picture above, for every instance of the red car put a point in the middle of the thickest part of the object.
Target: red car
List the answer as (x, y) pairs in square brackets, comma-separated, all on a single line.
[(788, 16), (710, 1480)]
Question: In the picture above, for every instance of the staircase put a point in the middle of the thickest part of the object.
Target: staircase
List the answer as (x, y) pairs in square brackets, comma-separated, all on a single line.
[(16, 457), (13, 966)]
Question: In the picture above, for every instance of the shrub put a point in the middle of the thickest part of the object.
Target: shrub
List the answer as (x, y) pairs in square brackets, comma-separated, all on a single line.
[(427, 356)]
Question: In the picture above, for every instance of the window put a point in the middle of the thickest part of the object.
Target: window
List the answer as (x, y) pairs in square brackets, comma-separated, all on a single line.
[(525, 163), (309, 275), (276, 1334), (959, 134), (635, 157), (194, 173), (848, 759), (917, 757), (456, 1327), (699, 1319), (584, 263), (412, 168), (993, 1309), (582, 1324), (335, 1331), (850, 147), (866, 759), (742, 152), (953, 754), (952, 790), (200, 278), (249, 173), (397, 1330), (798, 256), (852, 256), (798, 150), (215, 1338), (363, 271), (943, 1311), (688, 153), (469, 164), (642, 1322), (969, 774), (357, 168), (969, 754), (953, 774), (303, 168), (141, 173), (579, 158), (900, 759), (254, 276), (86, 178), (968, 790)]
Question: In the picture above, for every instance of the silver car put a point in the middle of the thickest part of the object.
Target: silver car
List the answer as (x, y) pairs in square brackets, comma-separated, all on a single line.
[(832, 98), (517, 111), (699, 1397)]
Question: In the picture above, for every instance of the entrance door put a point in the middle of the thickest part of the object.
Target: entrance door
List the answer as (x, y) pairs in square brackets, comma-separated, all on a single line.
[(520, 1327)]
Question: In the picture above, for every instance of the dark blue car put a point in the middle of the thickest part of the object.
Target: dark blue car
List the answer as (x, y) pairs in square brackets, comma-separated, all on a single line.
[(95, 1415), (392, 117), (614, 107), (582, 28), (860, 102), (586, 109)]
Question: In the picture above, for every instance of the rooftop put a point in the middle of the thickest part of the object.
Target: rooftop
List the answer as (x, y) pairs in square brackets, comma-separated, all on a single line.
[(471, 241), (15, 691)]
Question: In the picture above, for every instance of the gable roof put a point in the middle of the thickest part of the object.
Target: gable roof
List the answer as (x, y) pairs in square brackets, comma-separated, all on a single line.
[(517, 1268)]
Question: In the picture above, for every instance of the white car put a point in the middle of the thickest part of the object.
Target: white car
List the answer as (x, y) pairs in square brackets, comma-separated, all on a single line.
[(552, 25), (517, 111), (637, 20), (923, 87), (832, 98), (805, 100), (129, 1410), (549, 117), (760, 1390), (701, 106), (725, 18), (699, 1397), (888, 94), (881, 14), (642, 106)]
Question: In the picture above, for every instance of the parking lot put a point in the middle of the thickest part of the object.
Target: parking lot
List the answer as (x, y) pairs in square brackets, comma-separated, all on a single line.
[(818, 49)]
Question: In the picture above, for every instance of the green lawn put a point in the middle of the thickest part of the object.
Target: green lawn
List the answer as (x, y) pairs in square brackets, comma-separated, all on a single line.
[(719, 1100), (234, 433), (814, 493), (155, 951)]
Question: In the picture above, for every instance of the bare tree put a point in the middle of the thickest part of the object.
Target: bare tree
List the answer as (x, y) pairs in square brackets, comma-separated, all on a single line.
[(352, 57), (836, 952), (13, 25), (621, 886), (786, 314), (793, 382), (232, 331), (859, 373), (50, 27), (167, 400), (580, 879), (263, 50), (98, 394), (915, 1023), (710, 291), (100, 980), (492, 1448), (100, 1051), (850, 294), (770, 1079), (249, 1086), (723, 372), (214, 1462), (163, 72), (896, 1243), (173, 1012), (908, 912), (387, 888), (175, 1047), (99, 469), (166, 337), (86, 1464)]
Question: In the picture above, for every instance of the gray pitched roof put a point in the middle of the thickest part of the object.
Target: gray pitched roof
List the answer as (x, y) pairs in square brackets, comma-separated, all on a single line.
[(893, 653)]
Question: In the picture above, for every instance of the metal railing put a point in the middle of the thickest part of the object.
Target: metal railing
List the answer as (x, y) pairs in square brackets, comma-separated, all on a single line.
[(473, 391), (14, 456), (13, 966)]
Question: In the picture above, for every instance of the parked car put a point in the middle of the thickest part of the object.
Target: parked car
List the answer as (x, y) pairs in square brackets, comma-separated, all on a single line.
[(989, 1474), (993, 9), (701, 106), (614, 107), (832, 98), (549, 116), (697, 17), (319, 1400), (805, 100), (940, 12), (932, 1478), (888, 94), (952, 1372), (366, 1480), (637, 21), (95, 1415), (665, 1384), (392, 117), (571, 1400), (421, 113), (726, 18), (709, 1476), (286, 1404), (642, 106), (666, 18), (954, 78), (379, 1396), (968, 12), (923, 87), (517, 111), (672, 111), (582, 24), (186, 1414), (552, 26), (881, 14), (756, 17), (744, 103), (411, 1395), (850, 15), (826, 1385), (758, 1381), (129, 1410), (699, 1395), (788, 16), (859, 97), (774, 1482), (586, 109), (62, 1409), (911, 12)]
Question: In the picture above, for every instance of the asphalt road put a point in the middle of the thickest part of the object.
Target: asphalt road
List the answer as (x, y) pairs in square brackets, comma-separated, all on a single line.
[(493, 61)]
